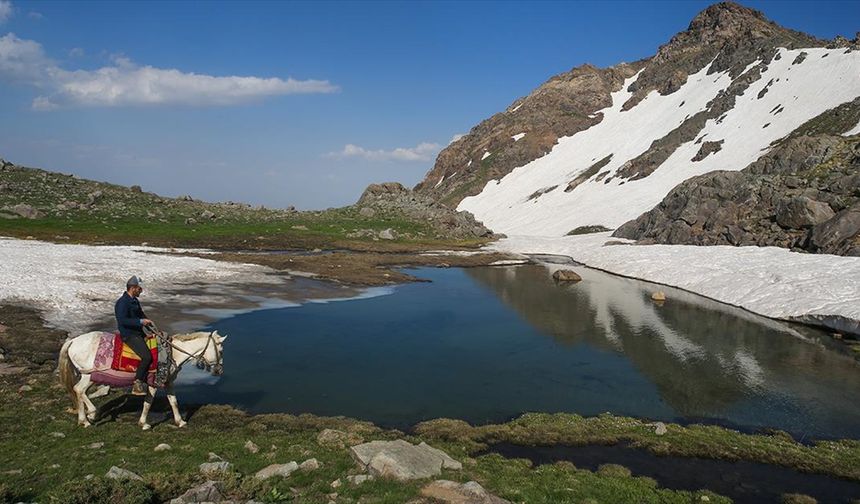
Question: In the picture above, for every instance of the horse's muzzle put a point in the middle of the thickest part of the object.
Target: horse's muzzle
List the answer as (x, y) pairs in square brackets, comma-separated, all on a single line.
[(217, 370)]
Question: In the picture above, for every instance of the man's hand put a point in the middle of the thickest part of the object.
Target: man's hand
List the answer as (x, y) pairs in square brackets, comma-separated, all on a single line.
[(146, 322)]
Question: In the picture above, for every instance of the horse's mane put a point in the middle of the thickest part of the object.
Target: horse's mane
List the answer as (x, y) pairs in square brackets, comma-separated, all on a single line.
[(190, 336)]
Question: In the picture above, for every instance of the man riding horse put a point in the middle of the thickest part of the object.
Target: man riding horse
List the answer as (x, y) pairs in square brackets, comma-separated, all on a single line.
[(130, 321)]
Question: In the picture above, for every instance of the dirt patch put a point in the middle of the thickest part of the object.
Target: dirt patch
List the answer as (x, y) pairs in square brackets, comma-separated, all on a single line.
[(26, 338)]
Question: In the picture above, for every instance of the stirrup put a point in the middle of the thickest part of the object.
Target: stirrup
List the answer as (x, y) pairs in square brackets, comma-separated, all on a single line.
[(138, 388)]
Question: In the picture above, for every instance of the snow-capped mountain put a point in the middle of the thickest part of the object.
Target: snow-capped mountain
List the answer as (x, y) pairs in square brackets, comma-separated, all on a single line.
[(599, 147)]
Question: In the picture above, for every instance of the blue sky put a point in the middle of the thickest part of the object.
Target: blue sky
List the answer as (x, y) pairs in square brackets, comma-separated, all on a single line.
[(292, 103)]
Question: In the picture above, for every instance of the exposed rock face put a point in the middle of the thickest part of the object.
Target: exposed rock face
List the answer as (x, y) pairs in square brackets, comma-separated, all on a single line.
[(393, 198), (566, 276), (804, 194), (565, 104), (451, 492), (210, 491), (282, 470)]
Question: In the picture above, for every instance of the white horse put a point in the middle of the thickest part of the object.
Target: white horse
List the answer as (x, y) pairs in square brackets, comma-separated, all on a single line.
[(78, 356)]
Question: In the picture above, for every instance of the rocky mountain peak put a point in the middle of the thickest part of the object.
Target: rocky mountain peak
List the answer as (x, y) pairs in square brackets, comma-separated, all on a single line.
[(727, 19)]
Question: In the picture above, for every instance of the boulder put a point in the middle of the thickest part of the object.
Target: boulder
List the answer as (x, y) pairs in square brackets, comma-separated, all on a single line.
[(660, 428), (136, 188), (333, 438), (451, 492), (282, 470), (208, 467), (119, 473), (802, 212), (387, 234), (25, 211), (310, 465), (163, 447), (206, 214), (367, 212), (210, 491), (251, 447), (566, 276), (402, 460), (358, 479)]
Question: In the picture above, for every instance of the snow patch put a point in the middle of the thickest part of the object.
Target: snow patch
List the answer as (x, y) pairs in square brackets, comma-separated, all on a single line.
[(518, 136), (486, 155), (774, 282), (853, 131), (516, 108)]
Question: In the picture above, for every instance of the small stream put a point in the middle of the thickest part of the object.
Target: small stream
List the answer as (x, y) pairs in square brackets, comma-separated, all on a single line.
[(744, 482)]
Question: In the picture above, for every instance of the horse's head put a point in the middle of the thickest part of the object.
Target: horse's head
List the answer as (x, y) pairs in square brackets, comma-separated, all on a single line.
[(209, 351)]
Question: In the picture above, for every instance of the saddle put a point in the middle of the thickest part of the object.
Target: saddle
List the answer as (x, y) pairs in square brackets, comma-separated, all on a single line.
[(125, 359)]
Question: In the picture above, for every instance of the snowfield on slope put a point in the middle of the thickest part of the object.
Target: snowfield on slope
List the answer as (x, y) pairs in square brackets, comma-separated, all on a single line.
[(814, 288), (798, 92), (76, 285)]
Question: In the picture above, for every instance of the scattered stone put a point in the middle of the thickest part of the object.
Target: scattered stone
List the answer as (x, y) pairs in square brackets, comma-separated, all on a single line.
[(300, 227), (58, 434), (336, 483), (310, 465), (358, 479), (25, 388), (136, 188), (93, 197), (96, 446), (119, 473), (402, 460), (332, 438), (213, 457), (206, 214), (3, 328), (660, 428), (659, 296), (222, 466), (54, 466), (13, 472), (25, 211), (802, 212), (282, 470), (387, 234), (795, 498), (566, 276), (191, 221), (614, 471), (163, 447), (451, 492), (251, 447), (210, 491), (367, 212)]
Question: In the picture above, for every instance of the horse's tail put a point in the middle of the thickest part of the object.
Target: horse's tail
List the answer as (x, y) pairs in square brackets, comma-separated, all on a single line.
[(67, 371)]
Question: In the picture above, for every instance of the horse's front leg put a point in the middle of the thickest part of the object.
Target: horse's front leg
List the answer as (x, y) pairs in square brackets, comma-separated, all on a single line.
[(174, 405), (147, 403), (81, 393)]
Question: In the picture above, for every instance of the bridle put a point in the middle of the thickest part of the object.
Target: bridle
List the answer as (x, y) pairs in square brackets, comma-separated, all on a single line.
[(200, 361)]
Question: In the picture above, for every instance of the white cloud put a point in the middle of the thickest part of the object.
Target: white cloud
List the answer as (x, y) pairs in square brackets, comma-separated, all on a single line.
[(421, 152), (77, 52), (125, 83), (5, 10)]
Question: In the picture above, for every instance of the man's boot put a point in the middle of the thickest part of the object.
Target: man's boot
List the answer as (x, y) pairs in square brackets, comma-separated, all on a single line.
[(138, 388)]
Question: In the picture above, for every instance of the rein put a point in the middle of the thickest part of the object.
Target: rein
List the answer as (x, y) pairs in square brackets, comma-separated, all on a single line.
[(200, 361)]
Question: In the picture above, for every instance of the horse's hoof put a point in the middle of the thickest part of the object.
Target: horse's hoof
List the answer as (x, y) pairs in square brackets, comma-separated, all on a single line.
[(91, 416), (145, 426), (181, 423), (84, 424)]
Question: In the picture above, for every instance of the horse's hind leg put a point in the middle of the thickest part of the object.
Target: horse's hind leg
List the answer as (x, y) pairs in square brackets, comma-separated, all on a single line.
[(91, 408), (147, 403), (174, 405), (81, 393)]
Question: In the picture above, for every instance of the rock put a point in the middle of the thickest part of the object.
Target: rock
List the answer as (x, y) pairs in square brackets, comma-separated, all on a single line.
[(57, 435), (367, 212), (659, 296), (566, 276), (336, 483), (332, 438), (451, 492), (310, 465), (95, 446), (3, 328), (839, 235), (213, 457), (282, 470), (163, 447), (251, 447), (210, 491), (660, 428), (93, 197), (387, 234), (136, 188), (119, 474), (25, 388), (206, 214), (300, 228), (191, 221), (222, 466), (802, 212), (25, 211), (358, 479), (401, 460)]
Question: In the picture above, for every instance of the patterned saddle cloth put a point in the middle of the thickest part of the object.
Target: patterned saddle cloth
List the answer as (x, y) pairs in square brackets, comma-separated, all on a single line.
[(116, 362)]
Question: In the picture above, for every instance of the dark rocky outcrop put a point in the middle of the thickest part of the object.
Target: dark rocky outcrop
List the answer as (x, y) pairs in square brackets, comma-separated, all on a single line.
[(804, 195), (392, 198)]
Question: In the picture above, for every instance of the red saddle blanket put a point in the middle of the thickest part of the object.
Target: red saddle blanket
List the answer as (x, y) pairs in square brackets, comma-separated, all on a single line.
[(124, 358)]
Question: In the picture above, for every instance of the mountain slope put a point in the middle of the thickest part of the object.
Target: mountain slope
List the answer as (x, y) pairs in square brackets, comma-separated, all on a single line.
[(713, 98)]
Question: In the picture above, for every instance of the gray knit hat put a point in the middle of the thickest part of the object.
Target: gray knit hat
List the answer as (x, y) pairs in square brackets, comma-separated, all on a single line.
[(133, 281)]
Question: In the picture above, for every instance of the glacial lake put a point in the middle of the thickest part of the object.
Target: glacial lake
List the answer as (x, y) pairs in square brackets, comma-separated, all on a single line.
[(488, 344)]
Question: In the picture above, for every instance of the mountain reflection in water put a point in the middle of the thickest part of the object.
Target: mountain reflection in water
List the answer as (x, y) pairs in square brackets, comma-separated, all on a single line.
[(706, 358)]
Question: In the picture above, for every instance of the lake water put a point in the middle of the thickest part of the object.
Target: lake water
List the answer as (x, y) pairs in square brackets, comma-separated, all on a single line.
[(488, 344)]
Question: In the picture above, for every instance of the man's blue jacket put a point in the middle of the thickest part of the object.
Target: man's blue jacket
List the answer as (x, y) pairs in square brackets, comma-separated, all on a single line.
[(128, 316)]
